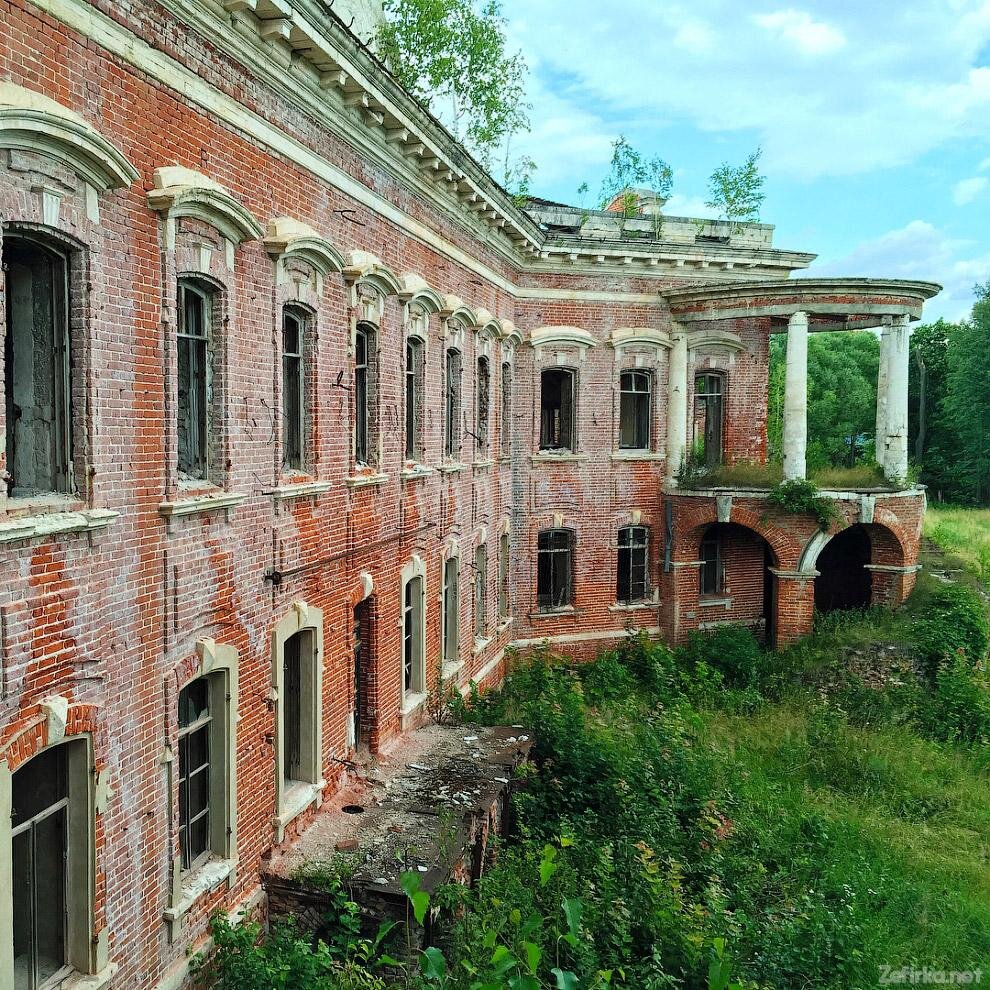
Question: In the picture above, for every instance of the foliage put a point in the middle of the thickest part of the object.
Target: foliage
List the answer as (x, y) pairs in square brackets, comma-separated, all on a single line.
[(736, 191), (630, 170), (800, 496), (954, 625), (453, 55), (965, 532)]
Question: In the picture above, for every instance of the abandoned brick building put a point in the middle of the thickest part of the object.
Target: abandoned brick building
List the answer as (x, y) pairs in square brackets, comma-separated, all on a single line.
[(303, 414)]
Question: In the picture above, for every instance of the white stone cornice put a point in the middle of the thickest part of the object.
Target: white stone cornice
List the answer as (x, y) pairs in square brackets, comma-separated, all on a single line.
[(544, 337), (625, 338)]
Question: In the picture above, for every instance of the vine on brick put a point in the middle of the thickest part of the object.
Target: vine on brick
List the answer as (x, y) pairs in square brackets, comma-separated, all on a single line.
[(801, 497)]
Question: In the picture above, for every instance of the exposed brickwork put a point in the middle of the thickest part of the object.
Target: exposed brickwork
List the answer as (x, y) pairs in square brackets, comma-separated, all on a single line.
[(110, 618)]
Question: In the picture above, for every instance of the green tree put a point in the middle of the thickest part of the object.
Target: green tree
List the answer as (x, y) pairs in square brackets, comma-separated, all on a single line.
[(967, 399), (453, 55), (630, 171), (736, 191)]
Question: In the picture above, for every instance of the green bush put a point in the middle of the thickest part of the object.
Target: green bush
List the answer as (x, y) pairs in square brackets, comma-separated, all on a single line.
[(607, 679), (801, 497), (954, 624), (959, 707), (731, 650)]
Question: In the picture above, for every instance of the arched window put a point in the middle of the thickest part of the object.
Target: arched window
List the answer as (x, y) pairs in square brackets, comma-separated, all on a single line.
[(414, 398), (555, 569), (709, 417), (633, 574), (37, 367), (483, 386), (557, 409), (294, 398), (365, 384), (195, 413), (635, 391), (452, 411), (300, 682)]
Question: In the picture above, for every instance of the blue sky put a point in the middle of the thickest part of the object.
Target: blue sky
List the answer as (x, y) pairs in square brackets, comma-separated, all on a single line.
[(874, 118)]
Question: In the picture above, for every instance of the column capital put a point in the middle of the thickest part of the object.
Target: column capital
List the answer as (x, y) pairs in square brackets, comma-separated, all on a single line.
[(797, 318)]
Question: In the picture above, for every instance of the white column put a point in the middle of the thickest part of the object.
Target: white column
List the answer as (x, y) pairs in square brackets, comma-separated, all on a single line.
[(796, 399), (677, 391), (883, 385), (896, 460)]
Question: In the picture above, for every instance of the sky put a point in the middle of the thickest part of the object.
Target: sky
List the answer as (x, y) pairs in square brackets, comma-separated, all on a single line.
[(873, 117)]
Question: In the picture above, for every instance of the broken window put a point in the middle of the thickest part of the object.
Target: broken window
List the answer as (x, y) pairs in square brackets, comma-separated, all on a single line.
[(554, 569), (557, 409), (708, 418), (414, 398), (365, 438), (503, 576), (195, 750), (451, 609), (195, 377), (294, 322), (37, 368), (635, 389), (481, 592), (413, 675), (633, 577), (300, 759), (506, 424), (482, 401), (452, 412), (711, 565)]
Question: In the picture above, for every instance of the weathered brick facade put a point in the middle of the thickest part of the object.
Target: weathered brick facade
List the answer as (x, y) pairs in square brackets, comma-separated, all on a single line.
[(133, 581)]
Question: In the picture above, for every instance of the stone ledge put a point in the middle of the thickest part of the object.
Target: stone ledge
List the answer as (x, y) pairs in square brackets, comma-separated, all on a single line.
[(89, 981), (208, 877), (56, 523), (637, 455), (301, 489), (548, 458), (452, 467), (366, 480), (633, 606), (417, 472), (198, 504), (295, 802)]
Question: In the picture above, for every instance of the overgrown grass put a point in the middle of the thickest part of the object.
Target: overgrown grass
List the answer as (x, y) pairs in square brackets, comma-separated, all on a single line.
[(747, 474), (963, 532), (850, 478)]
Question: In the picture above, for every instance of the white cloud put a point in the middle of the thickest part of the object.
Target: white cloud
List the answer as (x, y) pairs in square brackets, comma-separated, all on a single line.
[(919, 250), (798, 28), (966, 190), (901, 80), (680, 205)]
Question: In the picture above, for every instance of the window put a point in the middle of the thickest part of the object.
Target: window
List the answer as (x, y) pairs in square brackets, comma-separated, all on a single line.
[(711, 565), (708, 418), (451, 610), (195, 748), (481, 592), (634, 410), (37, 368), (452, 412), (195, 381), (300, 711), (633, 578), (365, 423), (414, 398), (413, 675), (557, 409), (555, 553), (40, 848), (505, 439), (293, 388), (503, 576), (482, 401)]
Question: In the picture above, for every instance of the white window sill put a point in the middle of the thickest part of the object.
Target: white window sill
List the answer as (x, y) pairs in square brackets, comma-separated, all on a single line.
[(504, 624), (451, 467), (88, 981), (637, 455), (451, 669), (481, 644), (721, 602), (300, 795), (300, 489), (633, 606), (565, 457), (194, 505), (372, 479), (206, 878), (412, 702), (553, 613), (414, 471), (55, 523), (482, 465)]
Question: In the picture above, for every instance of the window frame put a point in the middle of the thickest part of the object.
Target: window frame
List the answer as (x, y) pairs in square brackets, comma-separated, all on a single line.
[(202, 724), (547, 600), (365, 437), (451, 605), (413, 602), (636, 397), (413, 396), (559, 438), (453, 379), (202, 388), (504, 555), (633, 540), (505, 425), (707, 396), (482, 405), (481, 592), (295, 460), (711, 576)]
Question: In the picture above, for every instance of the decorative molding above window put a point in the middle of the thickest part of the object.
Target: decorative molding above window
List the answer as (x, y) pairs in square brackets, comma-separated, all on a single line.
[(288, 238), (544, 337), (365, 268), (511, 337), (714, 339), (624, 338), (457, 315), (31, 121), (181, 192), (416, 294)]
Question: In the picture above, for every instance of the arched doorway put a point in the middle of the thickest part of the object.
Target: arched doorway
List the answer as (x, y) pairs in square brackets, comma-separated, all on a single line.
[(844, 582), (736, 585)]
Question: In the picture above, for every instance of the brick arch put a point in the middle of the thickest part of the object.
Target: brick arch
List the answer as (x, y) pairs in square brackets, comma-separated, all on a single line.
[(891, 544), (33, 736), (693, 524)]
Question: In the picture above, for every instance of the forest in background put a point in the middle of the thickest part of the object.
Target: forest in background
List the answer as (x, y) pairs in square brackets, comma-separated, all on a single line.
[(949, 402)]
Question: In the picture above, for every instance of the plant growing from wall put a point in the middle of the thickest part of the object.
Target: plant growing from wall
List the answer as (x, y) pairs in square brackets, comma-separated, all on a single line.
[(454, 56), (800, 497), (629, 170), (736, 191)]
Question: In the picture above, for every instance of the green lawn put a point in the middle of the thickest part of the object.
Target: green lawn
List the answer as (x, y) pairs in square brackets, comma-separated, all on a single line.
[(963, 532)]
